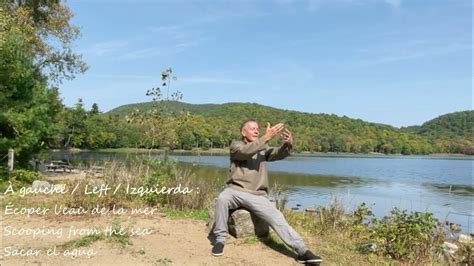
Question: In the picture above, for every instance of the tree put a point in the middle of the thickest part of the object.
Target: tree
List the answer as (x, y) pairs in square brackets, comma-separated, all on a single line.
[(28, 109), (160, 123), (35, 48), (94, 110), (43, 24), (75, 120)]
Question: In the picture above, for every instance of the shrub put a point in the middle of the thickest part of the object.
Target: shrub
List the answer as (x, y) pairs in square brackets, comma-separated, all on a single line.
[(19, 178), (407, 236), (160, 173), (25, 176)]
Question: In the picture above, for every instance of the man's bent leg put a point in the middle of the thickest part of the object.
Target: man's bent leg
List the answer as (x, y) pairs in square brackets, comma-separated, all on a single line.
[(225, 201), (265, 210)]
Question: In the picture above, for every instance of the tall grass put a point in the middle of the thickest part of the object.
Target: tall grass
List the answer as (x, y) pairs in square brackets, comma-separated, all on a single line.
[(146, 174)]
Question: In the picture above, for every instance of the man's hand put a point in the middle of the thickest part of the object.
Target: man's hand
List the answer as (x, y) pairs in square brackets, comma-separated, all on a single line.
[(287, 137), (272, 131)]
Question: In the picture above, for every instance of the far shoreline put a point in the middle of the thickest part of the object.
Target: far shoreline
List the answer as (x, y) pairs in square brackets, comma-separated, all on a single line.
[(221, 151)]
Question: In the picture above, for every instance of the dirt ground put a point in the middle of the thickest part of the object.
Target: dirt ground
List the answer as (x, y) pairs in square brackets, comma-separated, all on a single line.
[(159, 240), (172, 241)]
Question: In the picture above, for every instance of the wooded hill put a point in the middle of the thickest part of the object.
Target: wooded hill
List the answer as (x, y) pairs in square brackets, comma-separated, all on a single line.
[(217, 125), (453, 125)]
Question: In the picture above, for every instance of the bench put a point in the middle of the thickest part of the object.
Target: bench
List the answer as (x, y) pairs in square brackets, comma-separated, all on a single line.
[(58, 165)]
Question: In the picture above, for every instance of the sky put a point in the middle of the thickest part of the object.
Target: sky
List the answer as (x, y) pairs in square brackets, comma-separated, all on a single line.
[(397, 62)]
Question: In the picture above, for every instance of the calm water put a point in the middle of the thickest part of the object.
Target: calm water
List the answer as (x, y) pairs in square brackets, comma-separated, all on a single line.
[(443, 186)]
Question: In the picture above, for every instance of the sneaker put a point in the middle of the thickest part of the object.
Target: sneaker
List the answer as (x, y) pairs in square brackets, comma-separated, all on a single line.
[(218, 249), (309, 257)]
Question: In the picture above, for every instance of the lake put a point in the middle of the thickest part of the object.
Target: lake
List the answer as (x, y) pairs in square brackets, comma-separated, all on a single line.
[(441, 185)]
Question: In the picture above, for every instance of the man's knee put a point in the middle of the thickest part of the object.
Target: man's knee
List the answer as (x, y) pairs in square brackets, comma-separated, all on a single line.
[(224, 198), (272, 215), (279, 219)]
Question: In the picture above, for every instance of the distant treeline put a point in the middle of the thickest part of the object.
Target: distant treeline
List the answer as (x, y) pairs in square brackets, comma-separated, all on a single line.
[(215, 126)]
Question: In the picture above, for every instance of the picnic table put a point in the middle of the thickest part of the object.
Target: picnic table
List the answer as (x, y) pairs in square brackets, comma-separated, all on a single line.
[(55, 165), (97, 169)]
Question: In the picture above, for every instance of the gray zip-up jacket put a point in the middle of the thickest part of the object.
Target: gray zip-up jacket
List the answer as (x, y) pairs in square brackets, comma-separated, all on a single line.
[(248, 164)]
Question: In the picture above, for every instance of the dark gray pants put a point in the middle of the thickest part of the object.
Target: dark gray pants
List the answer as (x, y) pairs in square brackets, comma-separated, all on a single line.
[(262, 208)]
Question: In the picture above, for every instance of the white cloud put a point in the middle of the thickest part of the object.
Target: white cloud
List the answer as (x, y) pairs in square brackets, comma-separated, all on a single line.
[(195, 79), (178, 36), (105, 48), (315, 5), (187, 44), (142, 53), (412, 50), (394, 3), (116, 76), (173, 31)]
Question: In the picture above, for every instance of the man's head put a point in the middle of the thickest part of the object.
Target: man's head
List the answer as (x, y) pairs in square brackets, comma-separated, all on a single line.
[(249, 130)]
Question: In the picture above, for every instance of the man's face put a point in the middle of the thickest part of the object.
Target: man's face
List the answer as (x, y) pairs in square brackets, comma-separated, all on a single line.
[(250, 131)]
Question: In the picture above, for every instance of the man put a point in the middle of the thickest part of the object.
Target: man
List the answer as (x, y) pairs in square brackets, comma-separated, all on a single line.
[(248, 187)]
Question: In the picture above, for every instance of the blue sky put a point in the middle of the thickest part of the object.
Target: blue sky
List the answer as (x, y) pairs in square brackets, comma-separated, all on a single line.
[(396, 62)]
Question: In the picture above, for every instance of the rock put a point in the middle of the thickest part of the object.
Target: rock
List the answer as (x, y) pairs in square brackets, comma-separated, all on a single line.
[(59, 187), (465, 239), (368, 248), (241, 223), (455, 227), (449, 248), (39, 184)]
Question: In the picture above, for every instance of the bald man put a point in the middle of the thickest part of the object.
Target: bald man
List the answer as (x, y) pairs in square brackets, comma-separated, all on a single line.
[(247, 187)]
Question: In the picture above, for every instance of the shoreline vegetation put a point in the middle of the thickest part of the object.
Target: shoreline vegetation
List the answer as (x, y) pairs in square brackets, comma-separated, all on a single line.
[(225, 151), (340, 236)]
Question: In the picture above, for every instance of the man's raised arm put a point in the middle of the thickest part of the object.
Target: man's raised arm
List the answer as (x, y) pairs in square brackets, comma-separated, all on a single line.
[(282, 151), (245, 150), (242, 151)]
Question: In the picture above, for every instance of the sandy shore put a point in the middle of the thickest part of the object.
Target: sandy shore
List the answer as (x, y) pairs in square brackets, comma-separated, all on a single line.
[(167, 240), (157, 240)]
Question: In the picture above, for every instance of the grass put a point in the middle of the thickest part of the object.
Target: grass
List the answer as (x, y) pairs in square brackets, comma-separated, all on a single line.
[(193, 214), (84, 241), (250, 240), (88, 240), (163, 261), (115, 237)]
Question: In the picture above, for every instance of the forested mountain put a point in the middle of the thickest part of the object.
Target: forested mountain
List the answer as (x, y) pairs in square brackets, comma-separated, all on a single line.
[(215, 125), (173, 106), (447, 129), (452, 125)]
